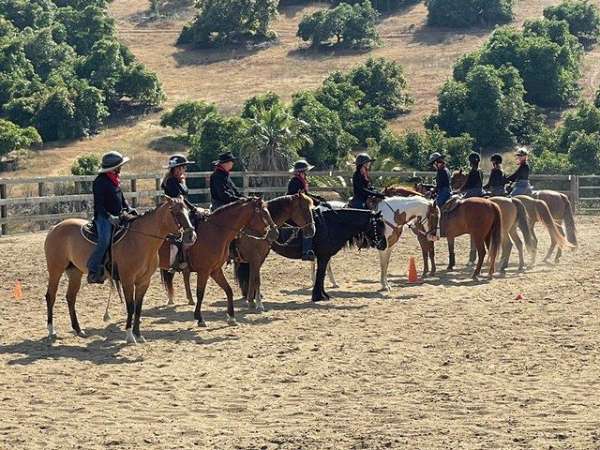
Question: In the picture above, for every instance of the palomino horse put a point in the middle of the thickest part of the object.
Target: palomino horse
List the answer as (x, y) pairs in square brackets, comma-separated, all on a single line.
[(296, 208), (479, 218), (514, 215), (416, 212), (335, 228), (539, 211), (208, 254), (134, 260)]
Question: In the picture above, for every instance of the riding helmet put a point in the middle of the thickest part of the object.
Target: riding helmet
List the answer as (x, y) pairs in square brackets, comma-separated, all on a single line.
[(496, 158), (111, 161), (435, 157), (301, 166), (522, 151), (474, 158), (178, 160), (363, 158)]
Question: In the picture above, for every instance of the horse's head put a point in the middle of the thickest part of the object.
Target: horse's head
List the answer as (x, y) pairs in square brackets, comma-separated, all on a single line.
[(457, 179), (301, 213), (261, 225), (375, 232), (179, 219), (433, 221)]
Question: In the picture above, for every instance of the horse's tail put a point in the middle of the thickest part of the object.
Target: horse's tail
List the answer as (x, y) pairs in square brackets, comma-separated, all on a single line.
[(495, 237), (544, 214), (523, 223), (242, 275), (569, 222), (167, 281)]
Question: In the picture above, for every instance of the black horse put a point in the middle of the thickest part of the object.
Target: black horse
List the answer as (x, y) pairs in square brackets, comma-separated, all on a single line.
[(335, 228)]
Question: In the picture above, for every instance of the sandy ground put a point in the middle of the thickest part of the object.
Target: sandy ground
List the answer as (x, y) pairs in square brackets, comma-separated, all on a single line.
[(446, 364)]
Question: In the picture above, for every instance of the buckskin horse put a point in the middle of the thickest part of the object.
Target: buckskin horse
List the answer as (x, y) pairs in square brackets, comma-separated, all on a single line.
[(208, 254), (335, 228), (134, 260), (296, 208)]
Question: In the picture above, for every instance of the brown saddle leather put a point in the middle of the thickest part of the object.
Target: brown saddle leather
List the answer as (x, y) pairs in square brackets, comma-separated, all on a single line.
[(88, 231)]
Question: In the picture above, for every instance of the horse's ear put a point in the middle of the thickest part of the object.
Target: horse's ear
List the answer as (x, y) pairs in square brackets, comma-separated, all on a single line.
[(167, 198)]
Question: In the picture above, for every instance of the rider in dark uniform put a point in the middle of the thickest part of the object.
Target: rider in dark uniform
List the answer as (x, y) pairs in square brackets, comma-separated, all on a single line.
[(521, 176), (496, 183), (473, 186), (361, 183), (442, 179), (299, 183), (173, 186), (108, 201), (222, 189)]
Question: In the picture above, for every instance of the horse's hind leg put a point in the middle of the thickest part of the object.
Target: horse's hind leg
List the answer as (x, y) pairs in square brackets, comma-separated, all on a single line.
[(451, 255), (480, 245), (472, 252), (220, 279), (53, 280), (201, 280), (519, 244), (74, 285), (140, 292), (331, 277), (535, 245)]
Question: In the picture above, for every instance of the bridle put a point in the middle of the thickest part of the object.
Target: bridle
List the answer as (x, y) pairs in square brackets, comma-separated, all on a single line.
[(414, 225), (269, 225), (181, 227), (378, 237)]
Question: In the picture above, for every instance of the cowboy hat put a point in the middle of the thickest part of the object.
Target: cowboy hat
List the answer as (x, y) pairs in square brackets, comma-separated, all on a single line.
[(177, 160), (301, 165), (224, 157), (111, 161)]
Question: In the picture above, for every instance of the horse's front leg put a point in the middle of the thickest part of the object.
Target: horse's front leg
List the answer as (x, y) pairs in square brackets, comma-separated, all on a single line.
[(432, 258), (257, 295), (480, 245), (140, 292), (451, 255), (318, 292), (200, 289), (128, 293), (384, 262), (220, 279)]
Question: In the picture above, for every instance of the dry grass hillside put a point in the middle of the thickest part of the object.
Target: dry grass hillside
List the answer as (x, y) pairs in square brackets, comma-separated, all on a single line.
[(229, 77)]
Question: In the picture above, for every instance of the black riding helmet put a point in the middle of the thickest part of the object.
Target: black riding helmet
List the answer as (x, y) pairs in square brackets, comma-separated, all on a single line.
[(474, 158), (363, 158), (496, 158)]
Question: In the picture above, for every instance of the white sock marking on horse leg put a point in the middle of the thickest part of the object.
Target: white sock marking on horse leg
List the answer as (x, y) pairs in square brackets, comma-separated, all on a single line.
[(130, 336), (51, 331)]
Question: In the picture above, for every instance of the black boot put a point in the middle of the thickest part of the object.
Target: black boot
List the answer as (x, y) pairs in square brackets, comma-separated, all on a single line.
[(95, 278)]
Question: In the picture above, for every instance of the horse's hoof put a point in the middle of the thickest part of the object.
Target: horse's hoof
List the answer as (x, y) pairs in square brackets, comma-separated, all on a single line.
[(130, 337), (335, 286), (80, 333), (202, 323), (231, 321), (475, 278), (252, 305), (191, 302), (449, 268), (260, 308), (140, 339), (170, 302)]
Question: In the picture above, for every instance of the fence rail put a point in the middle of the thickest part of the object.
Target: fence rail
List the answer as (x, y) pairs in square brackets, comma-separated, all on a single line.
[(46, 200)]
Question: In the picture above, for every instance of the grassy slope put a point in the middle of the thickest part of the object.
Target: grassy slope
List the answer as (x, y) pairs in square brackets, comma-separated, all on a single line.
[(229, 77)]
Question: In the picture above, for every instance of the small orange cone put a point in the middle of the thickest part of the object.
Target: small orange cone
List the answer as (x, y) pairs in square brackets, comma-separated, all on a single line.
[(412, 271), (520, 296), (18, 291)]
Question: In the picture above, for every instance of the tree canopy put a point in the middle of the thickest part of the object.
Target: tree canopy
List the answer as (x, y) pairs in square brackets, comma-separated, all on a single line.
[(467, 13)]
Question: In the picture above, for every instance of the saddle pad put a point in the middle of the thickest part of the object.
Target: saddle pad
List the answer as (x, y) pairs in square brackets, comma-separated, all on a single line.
[(88, 231)]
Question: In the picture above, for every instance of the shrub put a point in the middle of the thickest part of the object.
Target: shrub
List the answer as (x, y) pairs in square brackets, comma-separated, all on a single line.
[(582, 16), (85, 165), (13, 137), (551, 163), (585, 118), (584, 152), (466, 13), (188, 116)]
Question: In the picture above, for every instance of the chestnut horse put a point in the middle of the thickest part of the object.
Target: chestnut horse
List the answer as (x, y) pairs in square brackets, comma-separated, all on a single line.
[(479, 218), (296, 208), (249, 217), (134, 260), (562, 213)]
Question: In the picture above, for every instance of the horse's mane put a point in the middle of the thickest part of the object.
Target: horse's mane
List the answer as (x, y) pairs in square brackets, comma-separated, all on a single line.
[(406, 190), (228, 206)]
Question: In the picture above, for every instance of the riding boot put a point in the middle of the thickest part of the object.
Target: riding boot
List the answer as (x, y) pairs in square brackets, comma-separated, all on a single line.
[(180, 259)]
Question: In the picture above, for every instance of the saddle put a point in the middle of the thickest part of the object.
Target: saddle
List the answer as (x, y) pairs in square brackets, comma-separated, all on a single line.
[(89, 233)]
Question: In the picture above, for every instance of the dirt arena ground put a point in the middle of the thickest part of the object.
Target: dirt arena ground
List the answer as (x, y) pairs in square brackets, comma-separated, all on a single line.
[(446, 364)]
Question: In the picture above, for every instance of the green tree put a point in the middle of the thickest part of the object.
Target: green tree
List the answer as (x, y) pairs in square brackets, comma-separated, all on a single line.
[(189, 116), (584, 152), (85, 165), (551, 163), (582, 16), (140, 86), (585, 118), (466, 13), (14, 138)]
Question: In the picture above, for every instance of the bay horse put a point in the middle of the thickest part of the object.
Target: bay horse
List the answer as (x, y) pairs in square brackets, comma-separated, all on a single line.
[(211, 250), (335, 228), (296, 208), (514, 215), (538, 211), (482, 220), (134, 260)]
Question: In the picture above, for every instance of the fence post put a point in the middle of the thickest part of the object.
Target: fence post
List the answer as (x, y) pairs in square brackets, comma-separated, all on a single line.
[(43, 206), (134, 200), (3, 210), (157, 188), (245, 184), (574, 191)]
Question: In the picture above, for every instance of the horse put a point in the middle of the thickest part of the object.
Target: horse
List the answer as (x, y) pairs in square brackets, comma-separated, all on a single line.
[(562, 212), (539, 211), (335, 228), (482, 220), (134, 260), (415, 212), (296, 208), (208, 254), (514, 215)]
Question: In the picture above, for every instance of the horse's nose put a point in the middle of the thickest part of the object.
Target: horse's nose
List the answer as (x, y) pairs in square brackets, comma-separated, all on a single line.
[(273, 234)]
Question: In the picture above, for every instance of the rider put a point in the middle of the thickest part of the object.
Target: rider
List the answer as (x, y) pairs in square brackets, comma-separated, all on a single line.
[(361, 183), (299, 183), (521, 176), (222, 189), (497, 179), (473, 185), (442, 179), (108, 201), (173, 186)]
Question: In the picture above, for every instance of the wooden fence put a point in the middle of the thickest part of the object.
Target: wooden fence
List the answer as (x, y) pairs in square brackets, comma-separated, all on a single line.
[(27, 204)]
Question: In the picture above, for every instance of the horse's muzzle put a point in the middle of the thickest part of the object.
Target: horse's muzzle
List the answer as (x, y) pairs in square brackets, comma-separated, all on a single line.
[(189, 236), (309, 231), (273, 234)]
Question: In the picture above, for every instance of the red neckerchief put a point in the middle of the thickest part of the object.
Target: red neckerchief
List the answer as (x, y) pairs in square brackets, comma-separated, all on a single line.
[(302, 180), (114, 178), (221, 169)]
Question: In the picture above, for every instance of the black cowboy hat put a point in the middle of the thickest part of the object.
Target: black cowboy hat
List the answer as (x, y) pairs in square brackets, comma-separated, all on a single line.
[(474, 157), (437, 156), (225, 157), (363, 158), (177, 160), (496, 158), (111, 161), (301, 165)]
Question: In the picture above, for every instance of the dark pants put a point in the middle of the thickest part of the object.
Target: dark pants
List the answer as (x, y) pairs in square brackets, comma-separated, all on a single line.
[(104, 230), (443, 196), (307, 244), (474, 192), (357, 203)]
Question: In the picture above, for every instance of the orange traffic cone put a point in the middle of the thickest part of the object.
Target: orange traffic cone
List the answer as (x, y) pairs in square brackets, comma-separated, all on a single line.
[(18, 291), (520, 296), (412, 271)]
